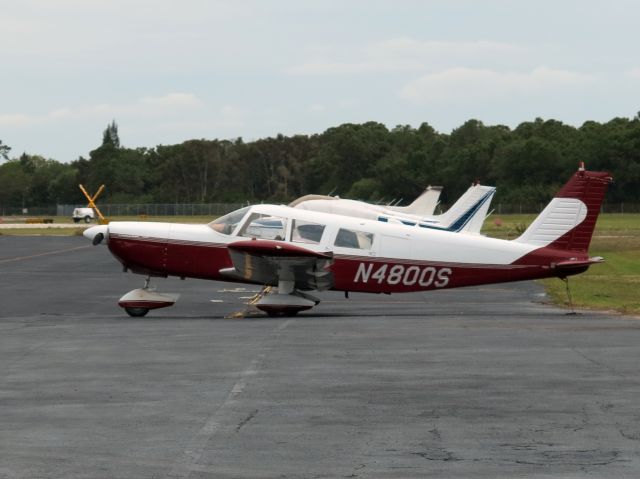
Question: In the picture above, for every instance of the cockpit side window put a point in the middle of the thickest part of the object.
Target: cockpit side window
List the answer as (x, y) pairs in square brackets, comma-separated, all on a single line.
[(227, 224), (348, 238), (263, 226), (306, 232)]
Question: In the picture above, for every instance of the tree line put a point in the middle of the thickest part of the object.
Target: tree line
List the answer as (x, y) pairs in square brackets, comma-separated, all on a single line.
[(365, 161)]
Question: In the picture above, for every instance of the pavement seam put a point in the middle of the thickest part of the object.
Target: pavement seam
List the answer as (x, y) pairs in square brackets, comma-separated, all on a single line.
[(66, 250), (187, 463)]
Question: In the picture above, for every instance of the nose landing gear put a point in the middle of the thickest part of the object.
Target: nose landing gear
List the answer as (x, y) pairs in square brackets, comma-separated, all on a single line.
[(138, 302)]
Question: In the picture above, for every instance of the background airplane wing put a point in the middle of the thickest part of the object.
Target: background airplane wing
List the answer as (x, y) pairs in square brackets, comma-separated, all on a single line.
[(267, 262)]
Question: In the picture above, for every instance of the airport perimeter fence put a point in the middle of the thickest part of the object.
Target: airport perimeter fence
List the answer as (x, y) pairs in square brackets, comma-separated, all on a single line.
[(214, 210), (618, 208), (158, 209), (523, 208)]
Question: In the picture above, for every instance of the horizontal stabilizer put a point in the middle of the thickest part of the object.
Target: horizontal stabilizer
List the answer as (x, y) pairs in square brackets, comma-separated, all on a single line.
[(568, 265)]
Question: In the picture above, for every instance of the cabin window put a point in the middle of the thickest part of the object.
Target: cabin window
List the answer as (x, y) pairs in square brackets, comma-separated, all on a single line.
[(263, 226), (348, 238), (227, 223), (306, 232)]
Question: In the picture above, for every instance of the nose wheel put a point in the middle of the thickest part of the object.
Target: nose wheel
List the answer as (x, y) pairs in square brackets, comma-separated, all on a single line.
[(136, 312)]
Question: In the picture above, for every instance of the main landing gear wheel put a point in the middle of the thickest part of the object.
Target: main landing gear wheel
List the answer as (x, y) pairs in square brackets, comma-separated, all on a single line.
[(281, 311), (137, 312), (278, 304)]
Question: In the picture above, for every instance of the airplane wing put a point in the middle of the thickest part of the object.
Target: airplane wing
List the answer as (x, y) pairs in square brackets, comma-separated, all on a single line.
[(269, 262)]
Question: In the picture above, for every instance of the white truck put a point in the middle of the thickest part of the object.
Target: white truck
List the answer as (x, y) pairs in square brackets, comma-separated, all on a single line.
[(83, 214)]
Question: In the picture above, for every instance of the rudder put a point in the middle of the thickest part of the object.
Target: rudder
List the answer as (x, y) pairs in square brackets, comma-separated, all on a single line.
[(568, 221)]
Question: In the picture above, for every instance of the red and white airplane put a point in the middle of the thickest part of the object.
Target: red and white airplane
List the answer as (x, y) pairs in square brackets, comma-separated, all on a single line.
[(320, 251)]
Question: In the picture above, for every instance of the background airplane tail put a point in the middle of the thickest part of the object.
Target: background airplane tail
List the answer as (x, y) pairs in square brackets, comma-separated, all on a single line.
[(423, 205), (568, 221), (456, 217), (476, 221)]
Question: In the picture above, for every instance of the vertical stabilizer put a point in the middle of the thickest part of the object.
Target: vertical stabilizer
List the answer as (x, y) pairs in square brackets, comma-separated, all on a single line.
[(568, 221), (423, 205), (467, 206), (474, 225)]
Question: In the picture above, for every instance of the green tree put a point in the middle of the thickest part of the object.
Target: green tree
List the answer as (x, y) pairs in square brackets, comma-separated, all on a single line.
[(614, 146), (468, 155), (32, 180), (122, 170), (4, 150), (15, 184), (346, 154), (529, 170), (365, 161), (110, 135)]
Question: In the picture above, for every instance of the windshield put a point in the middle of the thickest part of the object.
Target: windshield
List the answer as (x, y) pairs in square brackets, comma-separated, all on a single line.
[(227, 223)]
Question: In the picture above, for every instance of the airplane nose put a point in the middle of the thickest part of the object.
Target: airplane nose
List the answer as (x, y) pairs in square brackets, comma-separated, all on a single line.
[(96, 233)]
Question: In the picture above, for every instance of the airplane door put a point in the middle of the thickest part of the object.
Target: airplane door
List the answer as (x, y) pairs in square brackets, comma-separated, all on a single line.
[(395, 246)]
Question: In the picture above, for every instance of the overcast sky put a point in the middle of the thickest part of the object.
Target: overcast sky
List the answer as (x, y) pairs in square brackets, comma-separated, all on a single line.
[(168, 71)]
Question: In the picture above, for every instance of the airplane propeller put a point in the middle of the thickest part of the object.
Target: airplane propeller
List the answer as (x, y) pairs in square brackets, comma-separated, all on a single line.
[(97, 239), (96, 234)]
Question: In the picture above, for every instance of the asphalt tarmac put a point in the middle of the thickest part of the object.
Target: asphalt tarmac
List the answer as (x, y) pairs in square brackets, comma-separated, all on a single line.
[(479, 382)]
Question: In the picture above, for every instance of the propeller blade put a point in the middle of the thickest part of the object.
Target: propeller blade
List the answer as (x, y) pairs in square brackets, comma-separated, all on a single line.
[(97, 239)]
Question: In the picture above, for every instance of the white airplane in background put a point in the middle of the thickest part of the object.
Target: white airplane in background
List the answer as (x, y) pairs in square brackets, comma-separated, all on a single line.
[(423, 205), (466, 215), (322, 251)]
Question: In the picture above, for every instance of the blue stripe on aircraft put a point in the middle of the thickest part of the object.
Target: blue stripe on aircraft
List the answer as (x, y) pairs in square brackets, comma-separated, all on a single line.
[(462, 221), (459, 223)]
